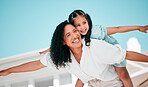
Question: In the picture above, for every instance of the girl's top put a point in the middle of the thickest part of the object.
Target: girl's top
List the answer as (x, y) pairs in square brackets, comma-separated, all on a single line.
[(99, 32)]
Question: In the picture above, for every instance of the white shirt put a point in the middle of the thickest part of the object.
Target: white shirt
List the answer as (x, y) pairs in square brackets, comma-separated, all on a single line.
[(95, 61)]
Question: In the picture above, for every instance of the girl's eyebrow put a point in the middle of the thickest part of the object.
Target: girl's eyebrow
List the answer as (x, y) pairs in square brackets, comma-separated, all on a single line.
[(76, 24)]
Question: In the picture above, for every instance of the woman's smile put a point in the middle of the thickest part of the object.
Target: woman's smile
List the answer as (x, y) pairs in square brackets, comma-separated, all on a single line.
[(76, 40)]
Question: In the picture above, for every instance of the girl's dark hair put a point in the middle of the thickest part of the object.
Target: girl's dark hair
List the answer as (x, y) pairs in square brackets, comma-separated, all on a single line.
[(60, 54), (74, 14)]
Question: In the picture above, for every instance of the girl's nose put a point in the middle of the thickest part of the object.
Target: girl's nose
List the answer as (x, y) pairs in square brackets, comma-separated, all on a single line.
[(82, 27)]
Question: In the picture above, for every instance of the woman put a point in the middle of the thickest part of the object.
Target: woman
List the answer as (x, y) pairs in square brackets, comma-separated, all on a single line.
[(86, 62)]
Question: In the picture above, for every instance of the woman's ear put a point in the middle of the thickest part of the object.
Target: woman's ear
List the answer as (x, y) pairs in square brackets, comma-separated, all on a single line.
[(64, 43)]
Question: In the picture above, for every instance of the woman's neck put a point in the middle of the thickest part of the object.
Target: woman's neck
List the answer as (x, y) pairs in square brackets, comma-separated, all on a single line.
[(77, 52)]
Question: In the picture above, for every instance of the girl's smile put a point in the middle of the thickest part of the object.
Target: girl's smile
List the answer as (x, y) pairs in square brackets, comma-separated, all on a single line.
[(81, 24)]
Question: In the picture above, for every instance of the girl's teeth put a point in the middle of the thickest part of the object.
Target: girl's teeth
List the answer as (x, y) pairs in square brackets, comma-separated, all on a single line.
[(83, 31)]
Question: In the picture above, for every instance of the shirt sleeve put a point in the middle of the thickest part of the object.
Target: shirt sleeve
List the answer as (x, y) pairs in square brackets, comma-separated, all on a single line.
[(98, 32), (107, 53), (46, 60)]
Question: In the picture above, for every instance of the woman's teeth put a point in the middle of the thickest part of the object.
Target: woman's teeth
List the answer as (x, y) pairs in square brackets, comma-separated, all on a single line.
[(75, 40)]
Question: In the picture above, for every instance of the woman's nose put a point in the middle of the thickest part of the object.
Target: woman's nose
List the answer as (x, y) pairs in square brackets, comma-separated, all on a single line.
[(74, 35)]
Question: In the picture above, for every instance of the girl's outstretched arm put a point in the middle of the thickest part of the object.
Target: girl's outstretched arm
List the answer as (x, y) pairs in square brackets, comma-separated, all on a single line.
[(44, 52), (134, 56), (122, 29), (31, 66)]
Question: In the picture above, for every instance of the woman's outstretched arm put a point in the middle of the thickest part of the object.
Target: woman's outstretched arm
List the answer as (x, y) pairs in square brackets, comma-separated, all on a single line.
[(134, 56), (31, 66)]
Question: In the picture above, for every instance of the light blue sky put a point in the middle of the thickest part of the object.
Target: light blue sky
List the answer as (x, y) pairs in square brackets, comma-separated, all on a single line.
[(27, 25)]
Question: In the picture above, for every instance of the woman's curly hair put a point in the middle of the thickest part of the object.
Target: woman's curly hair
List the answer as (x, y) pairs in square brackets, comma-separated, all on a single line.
[(74, 14), (60, 54)]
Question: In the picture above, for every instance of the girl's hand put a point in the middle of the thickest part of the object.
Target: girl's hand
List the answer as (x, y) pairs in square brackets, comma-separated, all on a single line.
[(144, 29), (44, 52)]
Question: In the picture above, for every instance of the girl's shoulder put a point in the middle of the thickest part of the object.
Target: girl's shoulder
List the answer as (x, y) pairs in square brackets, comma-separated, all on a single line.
[(97, 26), (98, 29), (98, 32)]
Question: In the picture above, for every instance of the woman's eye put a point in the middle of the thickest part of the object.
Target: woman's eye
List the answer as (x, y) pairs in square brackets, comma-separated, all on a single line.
[(68, 35), (75, 30)]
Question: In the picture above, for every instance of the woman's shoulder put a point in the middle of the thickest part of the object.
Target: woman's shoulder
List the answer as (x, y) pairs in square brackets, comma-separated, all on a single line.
[(98, 44), (96, 41)]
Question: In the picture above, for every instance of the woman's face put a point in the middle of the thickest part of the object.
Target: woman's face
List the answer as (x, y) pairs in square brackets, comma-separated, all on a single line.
[(72, 37), (81, 24)]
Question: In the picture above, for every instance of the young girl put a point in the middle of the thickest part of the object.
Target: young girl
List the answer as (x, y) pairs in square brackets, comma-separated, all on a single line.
[(83, 24)]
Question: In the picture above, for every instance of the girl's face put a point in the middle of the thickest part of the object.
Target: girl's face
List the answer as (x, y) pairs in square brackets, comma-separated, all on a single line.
[(72, 37), (81, 24)]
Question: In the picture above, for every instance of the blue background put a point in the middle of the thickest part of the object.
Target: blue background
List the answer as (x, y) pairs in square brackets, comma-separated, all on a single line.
[(27, 25)]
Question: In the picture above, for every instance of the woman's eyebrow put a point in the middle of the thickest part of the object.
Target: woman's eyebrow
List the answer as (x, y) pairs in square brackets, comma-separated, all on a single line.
[(67, 33)]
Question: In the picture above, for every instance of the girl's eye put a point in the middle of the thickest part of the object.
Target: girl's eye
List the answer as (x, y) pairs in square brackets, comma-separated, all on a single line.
[(77, 25), (84, 22)]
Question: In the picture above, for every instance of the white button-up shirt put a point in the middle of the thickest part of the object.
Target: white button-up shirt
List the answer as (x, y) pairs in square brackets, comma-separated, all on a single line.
[(95, 61)]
